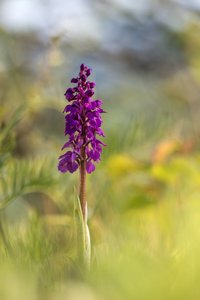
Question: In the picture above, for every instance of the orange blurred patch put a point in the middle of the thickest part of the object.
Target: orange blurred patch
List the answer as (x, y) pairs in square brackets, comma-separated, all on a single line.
[(164, 149)]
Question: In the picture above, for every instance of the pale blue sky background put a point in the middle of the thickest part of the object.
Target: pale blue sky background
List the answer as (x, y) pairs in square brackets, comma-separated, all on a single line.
[(76, 17)]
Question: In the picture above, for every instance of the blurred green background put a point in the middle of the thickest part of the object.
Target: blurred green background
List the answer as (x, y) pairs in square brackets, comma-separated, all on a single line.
[(144, 210)]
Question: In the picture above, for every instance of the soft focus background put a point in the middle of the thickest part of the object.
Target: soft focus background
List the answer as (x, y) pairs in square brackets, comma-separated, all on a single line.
[(144, 210)]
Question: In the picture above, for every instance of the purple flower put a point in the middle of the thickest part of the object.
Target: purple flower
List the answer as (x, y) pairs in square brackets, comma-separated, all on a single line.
[(82, 125)]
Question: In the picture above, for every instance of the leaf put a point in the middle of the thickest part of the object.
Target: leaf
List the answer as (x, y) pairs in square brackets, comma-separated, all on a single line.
[(82, 235), (22, 177), (3, 158), (11, 123)]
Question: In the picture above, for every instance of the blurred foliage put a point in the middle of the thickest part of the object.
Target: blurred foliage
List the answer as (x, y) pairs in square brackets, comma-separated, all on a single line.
[(19, 178)]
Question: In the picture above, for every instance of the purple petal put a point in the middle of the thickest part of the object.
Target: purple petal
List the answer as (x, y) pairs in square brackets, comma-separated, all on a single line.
[(94, 154), (89, 134), (66, 145), (66, 155), (74, 80), (79, 143), (99, 142), (93, 123), (88, 72), (86, 99), (72, 166), (98, 122), (100, 132), (62, 166), (82, 67), (89, 93), (92, 85), (90, 167)]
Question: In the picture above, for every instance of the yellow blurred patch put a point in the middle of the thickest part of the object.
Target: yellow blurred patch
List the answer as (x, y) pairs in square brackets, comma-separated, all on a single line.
[(121, 164), (178, 169)]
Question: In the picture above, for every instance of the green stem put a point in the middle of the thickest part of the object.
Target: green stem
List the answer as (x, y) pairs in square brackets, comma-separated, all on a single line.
[(85, 239), (82, 191)]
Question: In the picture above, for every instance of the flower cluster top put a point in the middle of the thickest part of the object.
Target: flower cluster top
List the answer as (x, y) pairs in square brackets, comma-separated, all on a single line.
[(82, 125)]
